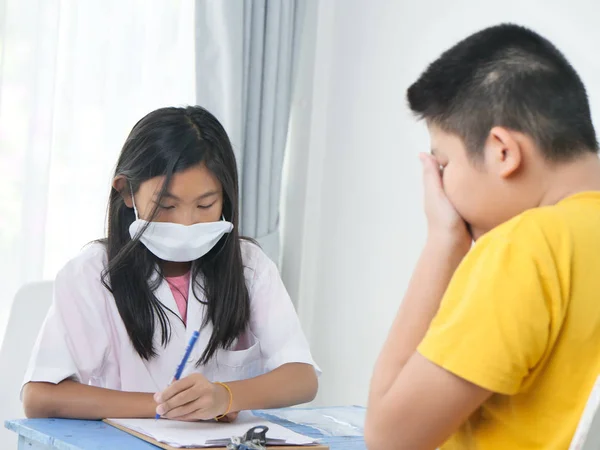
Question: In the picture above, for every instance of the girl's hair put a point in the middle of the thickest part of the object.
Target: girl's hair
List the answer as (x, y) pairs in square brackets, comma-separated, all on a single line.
[(167, 141)]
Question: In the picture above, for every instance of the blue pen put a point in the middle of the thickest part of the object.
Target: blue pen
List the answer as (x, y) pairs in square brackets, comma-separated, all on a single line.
[(186, 356)]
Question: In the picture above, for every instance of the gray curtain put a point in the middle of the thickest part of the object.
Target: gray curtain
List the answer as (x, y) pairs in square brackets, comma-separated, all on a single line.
[(245, 57)]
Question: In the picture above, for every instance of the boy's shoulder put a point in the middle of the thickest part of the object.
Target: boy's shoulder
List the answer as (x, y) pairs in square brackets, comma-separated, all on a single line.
[(547, 234), (539, 234), (574, 217), (550, 222)]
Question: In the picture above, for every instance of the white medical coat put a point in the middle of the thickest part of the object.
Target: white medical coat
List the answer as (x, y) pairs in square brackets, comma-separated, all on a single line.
[(84, 338)]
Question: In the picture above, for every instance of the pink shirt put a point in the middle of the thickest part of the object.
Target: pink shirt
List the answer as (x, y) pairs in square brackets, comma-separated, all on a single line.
[(180, 287)]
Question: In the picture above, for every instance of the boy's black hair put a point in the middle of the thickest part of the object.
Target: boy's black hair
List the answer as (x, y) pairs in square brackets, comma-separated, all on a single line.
[(509, 76)]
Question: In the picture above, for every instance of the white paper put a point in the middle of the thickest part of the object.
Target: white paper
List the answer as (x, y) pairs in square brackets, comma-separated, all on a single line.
[(211, 433)]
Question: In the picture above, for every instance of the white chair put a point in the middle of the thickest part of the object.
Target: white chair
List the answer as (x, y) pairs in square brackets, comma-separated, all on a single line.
[(28, 311), (587, 435)]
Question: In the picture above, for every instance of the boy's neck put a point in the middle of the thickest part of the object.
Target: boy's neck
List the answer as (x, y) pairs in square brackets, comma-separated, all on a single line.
[(563, 180)]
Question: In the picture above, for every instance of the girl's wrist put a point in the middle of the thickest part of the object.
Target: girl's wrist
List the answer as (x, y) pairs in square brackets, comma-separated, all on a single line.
[(150, 406), (225, 399)]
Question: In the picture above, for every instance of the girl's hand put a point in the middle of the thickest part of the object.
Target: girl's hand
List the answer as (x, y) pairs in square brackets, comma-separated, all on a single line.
[(229, 417), (443, 221), (193, 398)]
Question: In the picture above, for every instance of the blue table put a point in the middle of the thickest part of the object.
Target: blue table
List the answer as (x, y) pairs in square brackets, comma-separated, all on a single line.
[(65, 434)]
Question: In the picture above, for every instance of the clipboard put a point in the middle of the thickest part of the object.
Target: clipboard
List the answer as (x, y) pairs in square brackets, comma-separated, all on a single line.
[(168, 447)]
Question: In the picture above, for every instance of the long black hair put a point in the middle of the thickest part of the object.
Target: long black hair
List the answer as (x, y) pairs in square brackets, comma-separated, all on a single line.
[(164, 142)]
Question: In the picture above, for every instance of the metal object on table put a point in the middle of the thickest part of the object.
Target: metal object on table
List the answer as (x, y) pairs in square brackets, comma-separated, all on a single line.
[(254, 439)]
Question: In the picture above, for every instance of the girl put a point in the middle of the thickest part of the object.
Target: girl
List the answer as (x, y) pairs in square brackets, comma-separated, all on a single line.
[(173, 262)]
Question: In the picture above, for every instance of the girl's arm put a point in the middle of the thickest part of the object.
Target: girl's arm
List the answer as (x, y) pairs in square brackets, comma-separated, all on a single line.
[(288, 385), (195, 398), (72, 400)]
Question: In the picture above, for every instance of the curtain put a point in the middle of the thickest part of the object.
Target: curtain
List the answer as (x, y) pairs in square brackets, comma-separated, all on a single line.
[(245, 57), (75, 76)]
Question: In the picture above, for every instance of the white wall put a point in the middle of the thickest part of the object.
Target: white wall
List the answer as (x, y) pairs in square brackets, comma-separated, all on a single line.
[(353, 221), (74, 79)]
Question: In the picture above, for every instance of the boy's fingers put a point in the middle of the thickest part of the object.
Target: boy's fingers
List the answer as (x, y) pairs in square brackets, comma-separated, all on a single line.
[(431, 171)]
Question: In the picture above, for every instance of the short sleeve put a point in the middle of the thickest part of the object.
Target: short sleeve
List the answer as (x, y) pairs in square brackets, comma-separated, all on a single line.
[(274, 320), (495, 321), (73, 341)]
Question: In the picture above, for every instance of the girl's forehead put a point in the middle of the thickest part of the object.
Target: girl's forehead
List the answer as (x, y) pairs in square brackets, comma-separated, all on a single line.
[(194, 181)]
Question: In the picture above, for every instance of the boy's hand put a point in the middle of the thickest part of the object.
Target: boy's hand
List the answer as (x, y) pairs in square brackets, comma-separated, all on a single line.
[(443, 221), (193, 398)]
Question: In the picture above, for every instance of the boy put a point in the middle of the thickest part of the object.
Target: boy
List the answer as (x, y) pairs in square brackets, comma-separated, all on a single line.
[(498, 348)]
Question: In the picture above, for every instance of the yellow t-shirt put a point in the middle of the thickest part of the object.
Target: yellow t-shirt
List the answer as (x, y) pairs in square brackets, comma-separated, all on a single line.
[(521, 318)]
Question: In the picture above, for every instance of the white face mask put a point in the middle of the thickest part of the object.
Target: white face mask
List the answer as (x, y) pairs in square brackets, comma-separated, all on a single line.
[(178, 243)]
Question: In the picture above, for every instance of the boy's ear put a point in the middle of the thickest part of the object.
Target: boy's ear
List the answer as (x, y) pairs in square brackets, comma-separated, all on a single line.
[(504, 153), (120, 185)]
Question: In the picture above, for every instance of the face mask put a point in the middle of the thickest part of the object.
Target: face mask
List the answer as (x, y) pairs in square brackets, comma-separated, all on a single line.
[(178, 243)]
